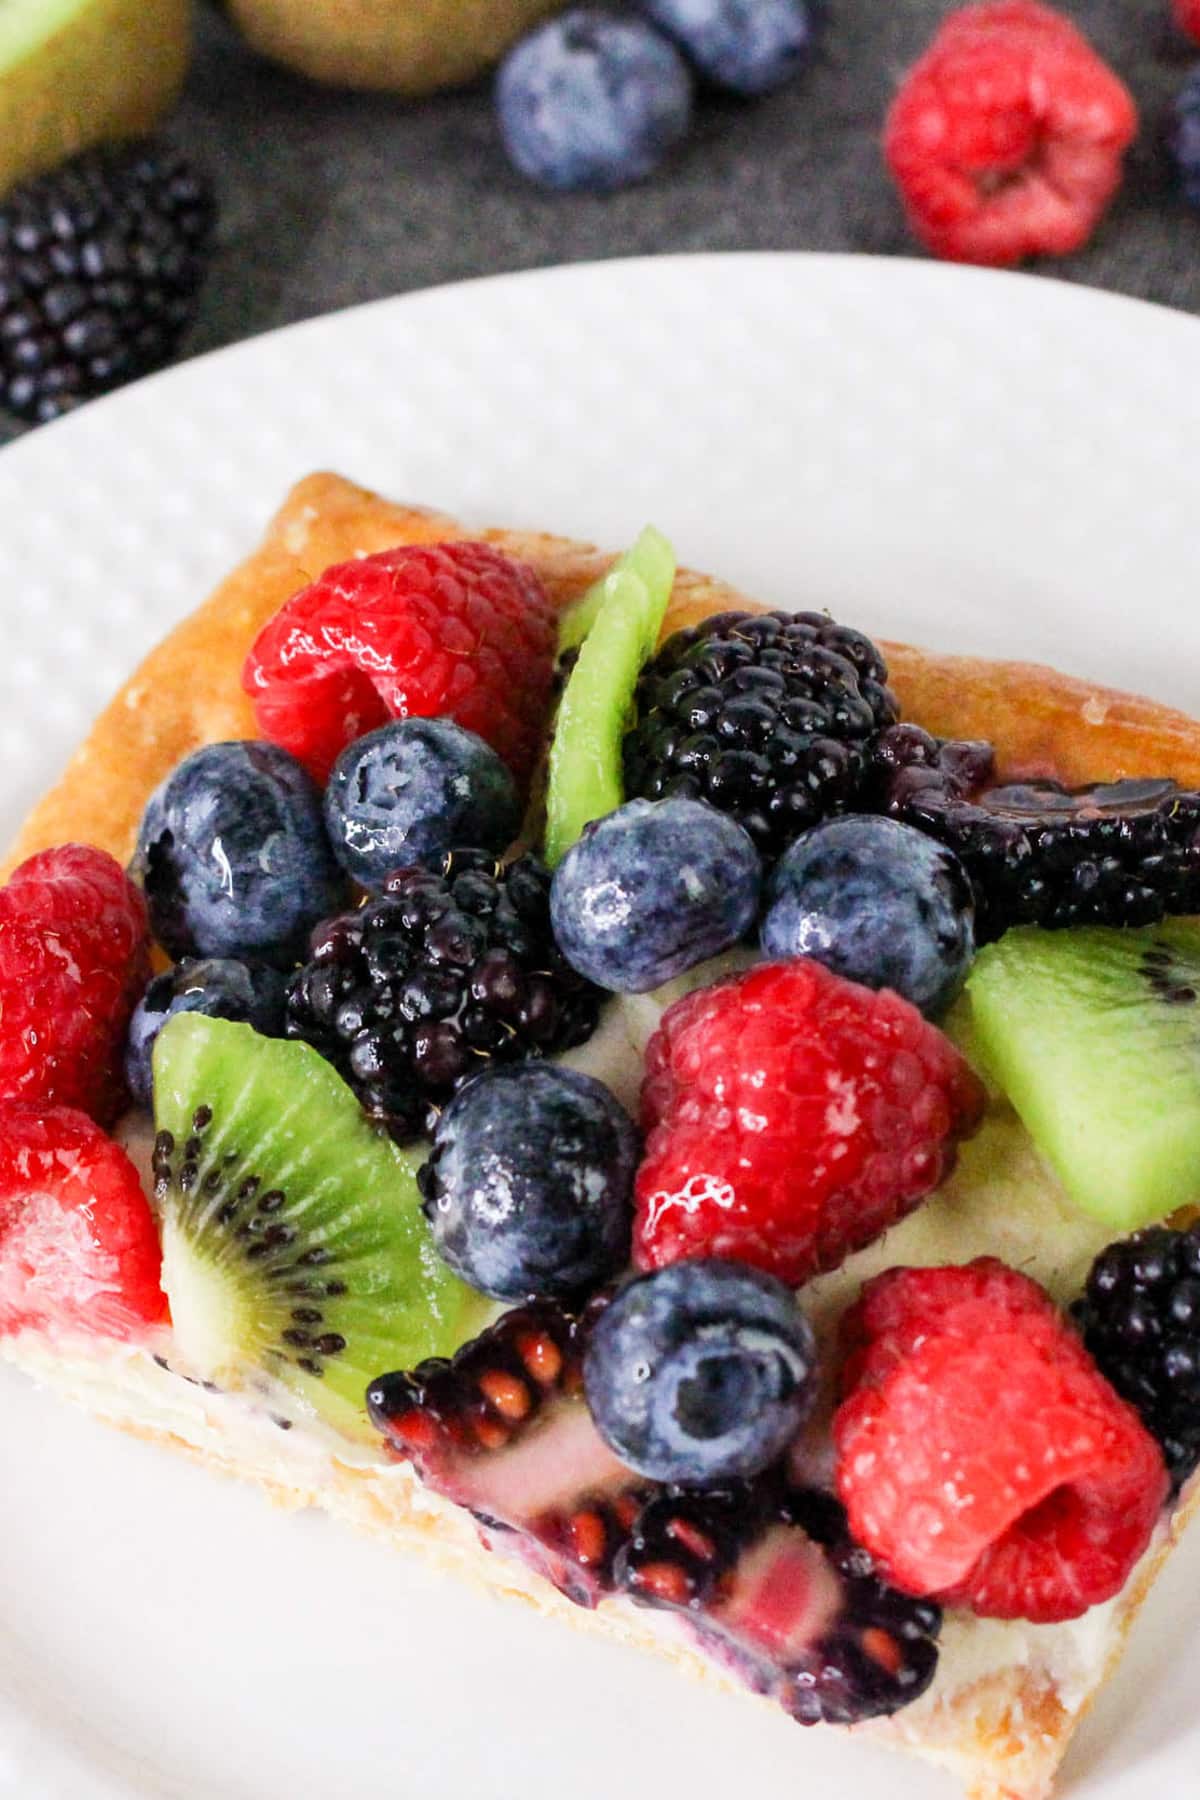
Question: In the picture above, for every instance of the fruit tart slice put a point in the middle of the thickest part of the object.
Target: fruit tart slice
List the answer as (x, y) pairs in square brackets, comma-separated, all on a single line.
[(632, 1097)]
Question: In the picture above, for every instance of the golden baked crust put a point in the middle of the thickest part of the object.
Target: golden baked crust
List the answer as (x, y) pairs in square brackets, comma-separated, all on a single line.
[(1003, 1734)]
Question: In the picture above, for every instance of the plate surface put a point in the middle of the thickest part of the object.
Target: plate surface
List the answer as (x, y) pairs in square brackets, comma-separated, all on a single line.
[(983, 462)]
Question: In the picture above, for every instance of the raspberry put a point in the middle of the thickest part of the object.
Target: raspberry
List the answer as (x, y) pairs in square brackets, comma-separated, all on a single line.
[(791, 1118), (74, 958), (1007, 135), (427, 630), (982, 1457), (78, 1244), (1187, 17)]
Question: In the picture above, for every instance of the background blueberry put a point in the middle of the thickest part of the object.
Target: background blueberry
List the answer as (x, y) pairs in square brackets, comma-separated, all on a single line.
[(592, 100), (233, 856), (700, 1372), (219, 987), (1185, 138), (652, 889), (748, 46), (877, 902), (413, 790), (528, 1190)]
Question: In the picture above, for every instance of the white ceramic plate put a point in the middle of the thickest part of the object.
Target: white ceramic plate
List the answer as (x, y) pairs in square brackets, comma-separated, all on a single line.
[(982, 462)]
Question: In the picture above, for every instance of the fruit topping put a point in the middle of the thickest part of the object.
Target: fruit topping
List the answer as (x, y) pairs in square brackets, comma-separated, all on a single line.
[(233, 857), (746, 46), (529, 1189), (410, 791), (78, 1244), (1006, 137), (1140, 1319), (653, 889), (773, 1585), (221, 988), (418, 990), (877, 902), (701, 1373), (74, 956), (613, 629), (1185, 136), (1094, 1035), (454, 629), (503, 1431), (101, 263), (767, 716), (765, 1574), (1117, 853), (294, 1250), (791, 1117), (591, 101), (1056, 1487)]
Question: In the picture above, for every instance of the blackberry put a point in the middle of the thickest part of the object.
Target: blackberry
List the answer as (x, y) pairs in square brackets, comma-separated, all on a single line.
[(101, 262), (1140, 1319), (442, 975), (1037, 853), (769, 717), (690, 1552), (881, 1650)]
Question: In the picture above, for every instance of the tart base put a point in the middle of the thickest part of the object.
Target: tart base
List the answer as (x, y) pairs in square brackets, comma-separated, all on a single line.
[(1003, 1727)]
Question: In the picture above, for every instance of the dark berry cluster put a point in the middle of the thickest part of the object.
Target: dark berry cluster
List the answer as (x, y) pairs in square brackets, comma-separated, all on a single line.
[(1140, 1318), (881, 1650), (1118, 853), (878, 1653), (767, 716), (422, 987), (101, 262)]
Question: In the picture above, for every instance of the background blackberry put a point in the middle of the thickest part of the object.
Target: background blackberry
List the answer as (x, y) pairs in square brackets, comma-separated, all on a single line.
[(767, 716), (1117, 853), (421, 988), (101, 264), (1140, 1319)]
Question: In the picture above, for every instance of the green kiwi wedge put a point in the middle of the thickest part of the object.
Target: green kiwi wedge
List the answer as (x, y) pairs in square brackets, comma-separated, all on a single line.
[(295, 1255), (1094, 1036), (615, 630)]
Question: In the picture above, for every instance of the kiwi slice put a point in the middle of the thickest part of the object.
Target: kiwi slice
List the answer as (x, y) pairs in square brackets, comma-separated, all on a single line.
[(1094, 1035), (615, 629), (293, 1244)]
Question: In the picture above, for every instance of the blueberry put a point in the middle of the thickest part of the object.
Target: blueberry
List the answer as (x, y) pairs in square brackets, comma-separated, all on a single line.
[(877, 902), (413, 790), (233, 856), (652, 889), (592, 100), (748, 46), (528, 1190), (700, 1372), (1185, 138), (219, 987)]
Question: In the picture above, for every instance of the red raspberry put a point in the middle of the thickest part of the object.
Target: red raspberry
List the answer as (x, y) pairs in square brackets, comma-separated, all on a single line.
[(792, 1117), (982, 1457), (78, 1244), (451, 629), (1187, 17), (74, 959), (1007, 135)]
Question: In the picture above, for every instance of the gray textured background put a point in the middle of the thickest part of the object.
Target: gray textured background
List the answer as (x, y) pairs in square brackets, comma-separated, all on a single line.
[(331, 198)]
